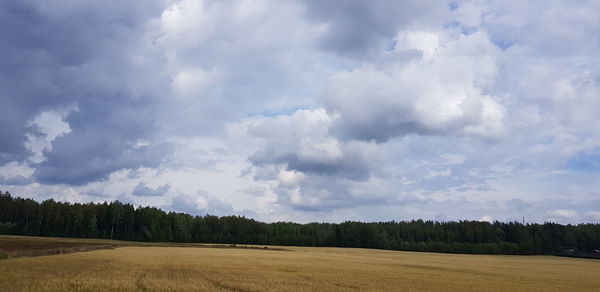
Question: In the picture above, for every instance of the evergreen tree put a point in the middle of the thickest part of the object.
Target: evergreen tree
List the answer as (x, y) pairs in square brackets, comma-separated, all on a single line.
[(123, 221)]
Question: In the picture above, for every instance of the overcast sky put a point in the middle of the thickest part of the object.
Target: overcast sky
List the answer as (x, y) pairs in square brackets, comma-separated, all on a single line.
[(306, 110)]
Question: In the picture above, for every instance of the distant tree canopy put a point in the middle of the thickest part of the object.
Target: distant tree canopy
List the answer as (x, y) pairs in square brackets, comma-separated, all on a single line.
[(116, 220)]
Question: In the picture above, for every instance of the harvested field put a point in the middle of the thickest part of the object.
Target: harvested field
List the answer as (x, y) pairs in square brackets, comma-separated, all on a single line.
[(25, 246), (30, 246), (189, 268)]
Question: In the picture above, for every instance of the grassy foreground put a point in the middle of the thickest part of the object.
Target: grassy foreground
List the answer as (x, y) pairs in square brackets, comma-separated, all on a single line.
[(190, 268)]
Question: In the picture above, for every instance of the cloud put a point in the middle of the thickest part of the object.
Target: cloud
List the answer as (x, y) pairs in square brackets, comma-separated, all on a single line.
[(200, 204), (229, 59), (594, 214), (558, 30), (320, 193), (585, 161), (336, 154), (76, 160), (66, 56), (359, 29), (312, 169), (302, 143), (106, 135), (563, 215), (423, 97), (144, 190), (17, 180), (306, 110)]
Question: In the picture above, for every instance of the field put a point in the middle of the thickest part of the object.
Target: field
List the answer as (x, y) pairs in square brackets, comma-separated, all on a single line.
[(125, 266)]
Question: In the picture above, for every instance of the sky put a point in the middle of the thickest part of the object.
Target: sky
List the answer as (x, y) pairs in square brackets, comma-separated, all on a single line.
[(289, 110)]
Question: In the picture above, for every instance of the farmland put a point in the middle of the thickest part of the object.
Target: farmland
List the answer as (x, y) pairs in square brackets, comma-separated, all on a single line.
[(127, 266)]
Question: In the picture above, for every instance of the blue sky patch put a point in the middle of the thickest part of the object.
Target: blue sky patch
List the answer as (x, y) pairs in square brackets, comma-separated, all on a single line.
[(589, 162)]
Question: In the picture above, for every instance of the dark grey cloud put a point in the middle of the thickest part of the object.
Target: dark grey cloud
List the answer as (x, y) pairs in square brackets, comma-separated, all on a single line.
[(143, 190), (388, 123), (18, 24), (107, 134), (357, 28), (61, 56), (77, 161), (301, 142), (351, 165)]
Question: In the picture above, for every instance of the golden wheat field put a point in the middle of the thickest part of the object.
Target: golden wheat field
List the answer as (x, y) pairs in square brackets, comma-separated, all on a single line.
[(198, 268)]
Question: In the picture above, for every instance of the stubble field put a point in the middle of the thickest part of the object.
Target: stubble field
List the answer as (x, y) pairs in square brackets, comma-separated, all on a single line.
[(166, 267)]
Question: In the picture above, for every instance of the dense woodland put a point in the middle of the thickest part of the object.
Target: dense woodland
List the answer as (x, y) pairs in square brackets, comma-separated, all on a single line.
[(116, 220)]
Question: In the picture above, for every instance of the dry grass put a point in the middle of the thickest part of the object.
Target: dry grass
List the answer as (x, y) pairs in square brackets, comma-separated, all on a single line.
[(165, 268)]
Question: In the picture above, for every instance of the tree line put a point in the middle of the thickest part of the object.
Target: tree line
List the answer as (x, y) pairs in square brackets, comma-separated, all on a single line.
[(116, 220)]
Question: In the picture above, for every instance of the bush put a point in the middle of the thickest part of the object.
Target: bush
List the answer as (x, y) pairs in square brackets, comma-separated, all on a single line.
[(7, 228)]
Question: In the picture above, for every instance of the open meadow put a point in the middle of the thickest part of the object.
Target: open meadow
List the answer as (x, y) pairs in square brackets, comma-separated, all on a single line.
[(124, 266)]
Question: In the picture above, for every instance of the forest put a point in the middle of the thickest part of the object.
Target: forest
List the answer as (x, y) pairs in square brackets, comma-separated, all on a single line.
[(116, 220)]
